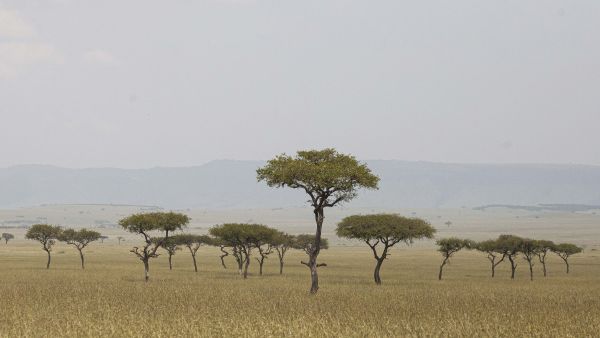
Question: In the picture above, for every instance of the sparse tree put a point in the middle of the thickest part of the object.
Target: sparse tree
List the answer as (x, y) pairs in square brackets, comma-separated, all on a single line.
[(282, 243), (193, 243), (242, 238), (102, 238), (171, 247), (47, 235), (510, 245), (7, 237), (79, 239), (385, 230), (264, 243), (448, 247), (529, 249), (306, 242), (120, 238), (145, 225), (543, 248), (565, 250), (328, 177), (490, 247)]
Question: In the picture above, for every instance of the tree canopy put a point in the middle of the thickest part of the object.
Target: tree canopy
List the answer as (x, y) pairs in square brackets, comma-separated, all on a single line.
[(79, 239), (47, 235)]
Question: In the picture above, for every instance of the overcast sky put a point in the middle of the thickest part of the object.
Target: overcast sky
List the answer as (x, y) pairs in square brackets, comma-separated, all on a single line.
[(174, 83)]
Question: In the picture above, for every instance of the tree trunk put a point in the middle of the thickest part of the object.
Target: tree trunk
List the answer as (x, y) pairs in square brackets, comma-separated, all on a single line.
[(48, 263), (530, 271), (281, 266), (82, 261), (146, 270), (170, 264), (543, 261), (513, 267), (247, 263), (225, 253), (442, 268), (194, 259), (377, 269), (312, 261), (260, 263), (493, 270), (567, 263)]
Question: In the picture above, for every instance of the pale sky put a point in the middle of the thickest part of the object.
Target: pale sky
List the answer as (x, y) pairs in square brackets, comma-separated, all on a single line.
[(137, 84)]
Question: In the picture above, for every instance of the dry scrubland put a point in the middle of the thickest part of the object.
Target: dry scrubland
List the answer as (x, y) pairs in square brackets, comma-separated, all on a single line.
[(110, 297)]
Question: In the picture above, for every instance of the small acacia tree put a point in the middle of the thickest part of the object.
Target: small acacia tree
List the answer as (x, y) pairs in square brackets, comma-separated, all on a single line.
[(7, 237), (386, 230), (223, 248), (242, 238), (145, 225), (264, 243), (79, 239), (490, 247), (565, 250), (282, 242), (47, 235), (448, 247), (306, 242), (170, 245), (193, 243), (510, 246), (102, 238), (529, 248), (543, 248), (120, 238), (328, 177)]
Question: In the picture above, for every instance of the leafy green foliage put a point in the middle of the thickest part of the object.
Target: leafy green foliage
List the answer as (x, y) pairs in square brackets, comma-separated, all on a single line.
[(46, 234), (7, 237), (306, 242), (79, 238), (387, 228)]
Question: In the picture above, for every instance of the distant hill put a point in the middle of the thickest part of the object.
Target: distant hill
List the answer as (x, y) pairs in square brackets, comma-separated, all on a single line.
[(232, 184)]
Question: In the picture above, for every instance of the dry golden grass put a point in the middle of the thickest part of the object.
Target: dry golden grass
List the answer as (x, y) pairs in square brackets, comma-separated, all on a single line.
[(110, 298)]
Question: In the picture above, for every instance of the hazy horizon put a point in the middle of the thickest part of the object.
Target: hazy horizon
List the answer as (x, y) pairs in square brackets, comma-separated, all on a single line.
[(141, 84)]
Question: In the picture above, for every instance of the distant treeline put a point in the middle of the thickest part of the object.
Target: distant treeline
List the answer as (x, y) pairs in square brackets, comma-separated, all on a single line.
[(542, 207)]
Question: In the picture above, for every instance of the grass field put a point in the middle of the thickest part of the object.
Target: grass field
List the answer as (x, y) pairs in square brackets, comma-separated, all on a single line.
[(110, 298)]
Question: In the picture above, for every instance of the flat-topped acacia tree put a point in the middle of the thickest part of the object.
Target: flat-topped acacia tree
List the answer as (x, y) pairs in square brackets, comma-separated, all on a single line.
[(306, 243), (7, 237), (494, 254), (565, 250), (328, 177), (383, 231), (264, 243), (193, 243), (79, 239), (510, 246), (282, 242), (145, 224), (448, 247), (47, 235), (171, 247), (529, 248), (543, 248)]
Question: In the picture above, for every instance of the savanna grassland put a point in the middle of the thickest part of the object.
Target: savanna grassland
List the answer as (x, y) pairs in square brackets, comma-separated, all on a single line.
[(109, 298)]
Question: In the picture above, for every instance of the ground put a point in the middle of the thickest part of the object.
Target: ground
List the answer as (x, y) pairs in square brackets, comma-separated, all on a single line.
[(110, 298)]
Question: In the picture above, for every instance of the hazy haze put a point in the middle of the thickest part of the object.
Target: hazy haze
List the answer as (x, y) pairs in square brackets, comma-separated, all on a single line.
[(174, 83)]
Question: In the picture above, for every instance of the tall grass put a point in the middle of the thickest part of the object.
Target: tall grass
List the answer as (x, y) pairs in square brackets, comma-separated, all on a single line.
[(110, 297)]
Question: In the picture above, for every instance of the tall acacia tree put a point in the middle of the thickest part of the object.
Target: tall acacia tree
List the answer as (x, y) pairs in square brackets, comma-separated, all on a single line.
[(565, 250), (282, 242), (79, 239), (193, 243), (385, 231), (529, 248), (7, 237), (490, 247), (448, 247), (47, 235), (328, 177), (145, 224), (543, 248)]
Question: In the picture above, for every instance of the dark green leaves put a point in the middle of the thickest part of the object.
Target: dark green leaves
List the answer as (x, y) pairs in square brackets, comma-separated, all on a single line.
[(384, 227)]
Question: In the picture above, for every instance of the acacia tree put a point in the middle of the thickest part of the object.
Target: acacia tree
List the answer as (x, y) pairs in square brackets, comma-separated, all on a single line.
[(242, 238), (102, 238), (193, 243), (328, 177), (223, 248), (490, 247), (79, 239), (7, 237), (543, 247), (145, 225), (120, 238), (282, 242), (529, 249), (448, 247), (171, 247), (306, 242), (264, 243), (510, 245), (565, 250), (386, 230), (47, 235)]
